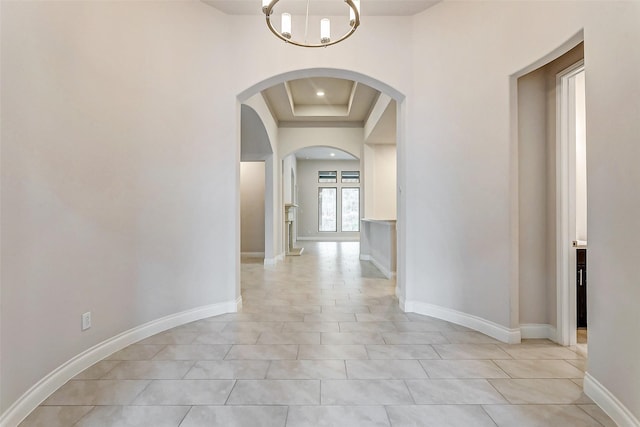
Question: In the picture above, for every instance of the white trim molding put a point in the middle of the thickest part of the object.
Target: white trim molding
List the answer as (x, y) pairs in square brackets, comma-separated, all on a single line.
[(329, 238), (494, 330), (387, 273), (537, 331), (565, 204), (252, 254), (609, 403), (40, 391), (274, 260), (384, 270), (401, 300)]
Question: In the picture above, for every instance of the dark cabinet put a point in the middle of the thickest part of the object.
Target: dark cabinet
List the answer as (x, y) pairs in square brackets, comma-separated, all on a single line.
[(581, 284)]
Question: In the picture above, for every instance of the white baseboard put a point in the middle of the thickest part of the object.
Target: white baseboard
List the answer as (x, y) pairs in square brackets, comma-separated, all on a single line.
[(274, 260), (609, 403), (33, 397), (494, 330), (329, 238), (252, 254), (384, 270), (387, 273), (538, 331), (401, 299)]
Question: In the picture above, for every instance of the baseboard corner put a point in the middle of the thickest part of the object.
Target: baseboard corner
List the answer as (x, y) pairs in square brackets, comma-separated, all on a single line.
[(538, 331)]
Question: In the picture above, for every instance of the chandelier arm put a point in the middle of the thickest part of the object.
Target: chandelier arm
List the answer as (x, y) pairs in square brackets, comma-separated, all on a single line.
[(354, 24)]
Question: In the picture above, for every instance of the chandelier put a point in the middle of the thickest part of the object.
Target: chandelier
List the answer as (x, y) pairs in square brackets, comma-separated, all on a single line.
[(325, 25)]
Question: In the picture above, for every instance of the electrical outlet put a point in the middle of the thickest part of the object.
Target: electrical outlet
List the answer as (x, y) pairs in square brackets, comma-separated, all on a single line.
[(86, 320)]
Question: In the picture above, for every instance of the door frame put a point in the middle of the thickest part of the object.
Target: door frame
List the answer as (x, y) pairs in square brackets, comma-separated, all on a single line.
[(566, 204)]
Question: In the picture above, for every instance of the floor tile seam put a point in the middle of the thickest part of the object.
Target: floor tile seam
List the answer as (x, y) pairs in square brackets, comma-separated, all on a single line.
[(207, 404), (235, 382), (164, 346), (137, 396), (537, 404), (495, 363), (386, 410), (85, 415), (424, 369), (415, 402), (286, 418), (193, 364), (118, 362), (490, 382), (489, 415), (185, 415), (512, 376), (73, 380), (190, 342), (173, 379), (579, 405)]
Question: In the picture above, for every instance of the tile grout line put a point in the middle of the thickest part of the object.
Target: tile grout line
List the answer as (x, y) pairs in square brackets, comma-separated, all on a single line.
[(235, 381), (489, 415), (185, 416), (84, 416)]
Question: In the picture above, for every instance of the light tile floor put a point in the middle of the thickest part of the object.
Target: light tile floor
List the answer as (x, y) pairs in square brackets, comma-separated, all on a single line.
[(321, 341)]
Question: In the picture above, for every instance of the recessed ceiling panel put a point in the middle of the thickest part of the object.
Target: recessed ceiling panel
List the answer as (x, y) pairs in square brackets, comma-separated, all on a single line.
[(335, 91), (297, 101), (278, 101)]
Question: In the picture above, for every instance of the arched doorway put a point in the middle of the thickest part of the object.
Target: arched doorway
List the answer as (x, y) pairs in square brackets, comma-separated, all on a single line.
[(388, 96)]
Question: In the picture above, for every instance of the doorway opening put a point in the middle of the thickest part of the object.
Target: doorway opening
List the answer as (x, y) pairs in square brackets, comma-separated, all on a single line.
[(551, 195), (572, 210), (361, 121)]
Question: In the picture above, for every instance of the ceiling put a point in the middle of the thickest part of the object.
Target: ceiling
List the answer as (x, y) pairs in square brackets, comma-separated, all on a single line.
[(344, 102), (323, 153), (326, 7)]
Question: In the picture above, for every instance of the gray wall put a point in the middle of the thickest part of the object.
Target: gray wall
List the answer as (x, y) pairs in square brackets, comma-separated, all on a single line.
[(252, 219)]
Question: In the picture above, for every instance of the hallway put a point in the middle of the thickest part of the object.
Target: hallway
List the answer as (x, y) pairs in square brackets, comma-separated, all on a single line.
[(321, 341)]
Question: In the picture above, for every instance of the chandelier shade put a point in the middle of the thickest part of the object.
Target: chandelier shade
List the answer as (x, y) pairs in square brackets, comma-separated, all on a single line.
[(285, 33)]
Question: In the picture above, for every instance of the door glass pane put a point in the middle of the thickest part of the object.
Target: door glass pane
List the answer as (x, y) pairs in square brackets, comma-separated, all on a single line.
[(327, 209), (350, 209)]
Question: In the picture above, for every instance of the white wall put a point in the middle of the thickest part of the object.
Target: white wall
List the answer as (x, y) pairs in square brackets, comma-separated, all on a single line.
[(252, 219), (273, 246), (308, 186), (533, 195), (458, 155), (380, 181), (612, 93), (118, 171), (289, 177), (345, 139)]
